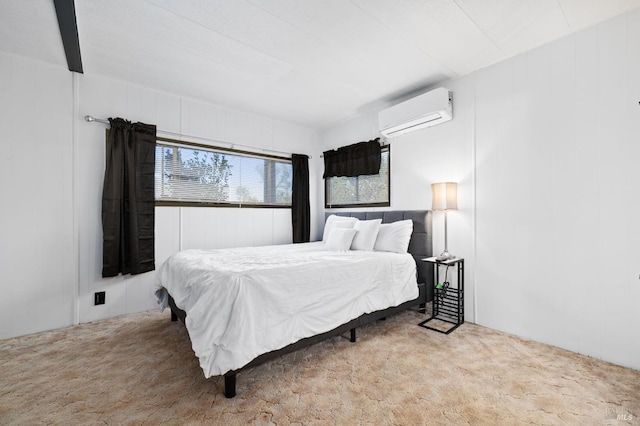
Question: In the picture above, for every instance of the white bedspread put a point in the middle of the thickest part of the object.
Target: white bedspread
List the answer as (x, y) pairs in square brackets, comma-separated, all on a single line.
[(244, 302)]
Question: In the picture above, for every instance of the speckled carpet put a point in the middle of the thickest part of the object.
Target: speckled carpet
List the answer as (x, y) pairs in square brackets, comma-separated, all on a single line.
[(140, 369)]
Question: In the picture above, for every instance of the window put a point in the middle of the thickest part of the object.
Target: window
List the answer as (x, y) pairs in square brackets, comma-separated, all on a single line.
[(191, 174), (360, 191)]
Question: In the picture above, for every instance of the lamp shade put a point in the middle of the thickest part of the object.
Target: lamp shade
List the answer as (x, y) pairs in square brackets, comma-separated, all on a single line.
[(444, 196)]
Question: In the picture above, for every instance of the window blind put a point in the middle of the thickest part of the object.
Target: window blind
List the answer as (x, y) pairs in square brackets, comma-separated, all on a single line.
[(187, 174)]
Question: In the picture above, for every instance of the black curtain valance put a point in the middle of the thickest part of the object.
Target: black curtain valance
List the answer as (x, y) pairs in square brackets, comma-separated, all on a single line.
[(362, 158), (128, 199)]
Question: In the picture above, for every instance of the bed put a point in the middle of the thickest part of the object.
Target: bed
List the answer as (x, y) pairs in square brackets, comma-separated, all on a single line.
[(242, 308)]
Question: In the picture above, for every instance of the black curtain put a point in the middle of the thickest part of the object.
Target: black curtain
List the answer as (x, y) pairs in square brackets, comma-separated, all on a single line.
[(300, 210), (128, 199), (362, 158)]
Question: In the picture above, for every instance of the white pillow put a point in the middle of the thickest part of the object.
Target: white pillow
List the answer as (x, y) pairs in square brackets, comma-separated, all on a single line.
[(394, 236), (340, 239), (367, 232), (334, 221)]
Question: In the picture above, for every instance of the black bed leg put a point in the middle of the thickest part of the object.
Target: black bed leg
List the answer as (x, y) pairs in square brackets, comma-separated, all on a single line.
[(230, 385), (353, 335), (422, 308), (174, 317)]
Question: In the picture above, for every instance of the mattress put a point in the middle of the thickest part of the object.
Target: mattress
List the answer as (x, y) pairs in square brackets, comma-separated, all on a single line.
[(244, 302)]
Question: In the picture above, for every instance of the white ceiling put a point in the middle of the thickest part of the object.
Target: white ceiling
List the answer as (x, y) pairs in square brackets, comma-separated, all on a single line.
[(312, 62)]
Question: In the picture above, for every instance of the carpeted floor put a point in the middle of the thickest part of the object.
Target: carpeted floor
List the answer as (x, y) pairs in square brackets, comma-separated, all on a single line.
[(140, 369)]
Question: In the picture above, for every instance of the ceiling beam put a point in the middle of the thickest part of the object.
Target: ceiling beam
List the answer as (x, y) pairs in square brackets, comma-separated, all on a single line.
[(66, 11)]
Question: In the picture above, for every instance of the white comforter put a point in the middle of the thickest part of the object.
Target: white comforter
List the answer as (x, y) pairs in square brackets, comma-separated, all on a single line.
[(244, 302)]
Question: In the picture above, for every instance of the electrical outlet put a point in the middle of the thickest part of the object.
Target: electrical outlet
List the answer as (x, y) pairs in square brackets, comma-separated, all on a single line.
[(99, 298)]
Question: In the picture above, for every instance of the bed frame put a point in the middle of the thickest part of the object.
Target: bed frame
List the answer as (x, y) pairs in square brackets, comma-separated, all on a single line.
[(420, 246)]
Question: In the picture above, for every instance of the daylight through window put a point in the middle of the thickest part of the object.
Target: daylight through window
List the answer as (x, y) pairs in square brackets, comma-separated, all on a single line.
[(360, 191), (189, 174)]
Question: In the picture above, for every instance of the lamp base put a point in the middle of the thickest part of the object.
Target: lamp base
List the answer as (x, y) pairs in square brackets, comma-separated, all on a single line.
[(445, 255)]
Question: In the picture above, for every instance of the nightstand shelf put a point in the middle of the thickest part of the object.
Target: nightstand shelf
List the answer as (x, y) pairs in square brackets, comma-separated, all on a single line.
[(448, 301)]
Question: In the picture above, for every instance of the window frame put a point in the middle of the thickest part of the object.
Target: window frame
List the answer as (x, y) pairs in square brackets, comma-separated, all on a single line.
[(358, 205), (195, 145)]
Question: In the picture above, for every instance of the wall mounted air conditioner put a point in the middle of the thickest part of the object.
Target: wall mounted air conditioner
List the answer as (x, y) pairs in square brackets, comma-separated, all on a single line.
[(426, 110)]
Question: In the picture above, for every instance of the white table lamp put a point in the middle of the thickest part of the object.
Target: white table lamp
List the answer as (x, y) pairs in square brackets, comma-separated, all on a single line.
[(444, 196)]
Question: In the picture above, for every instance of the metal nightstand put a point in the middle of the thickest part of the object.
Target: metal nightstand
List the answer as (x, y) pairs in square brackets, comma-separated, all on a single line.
[(448, 302)]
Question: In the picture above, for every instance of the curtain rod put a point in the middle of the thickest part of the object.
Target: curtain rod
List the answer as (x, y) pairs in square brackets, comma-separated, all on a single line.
[(232, 145)]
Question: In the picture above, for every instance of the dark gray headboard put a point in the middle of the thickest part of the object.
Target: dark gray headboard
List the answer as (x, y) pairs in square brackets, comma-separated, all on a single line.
[(420, 245)]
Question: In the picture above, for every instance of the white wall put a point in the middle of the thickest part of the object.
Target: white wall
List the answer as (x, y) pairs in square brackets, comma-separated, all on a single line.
[(557, 142), (37, 277), (545, 147), (51, 247)]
